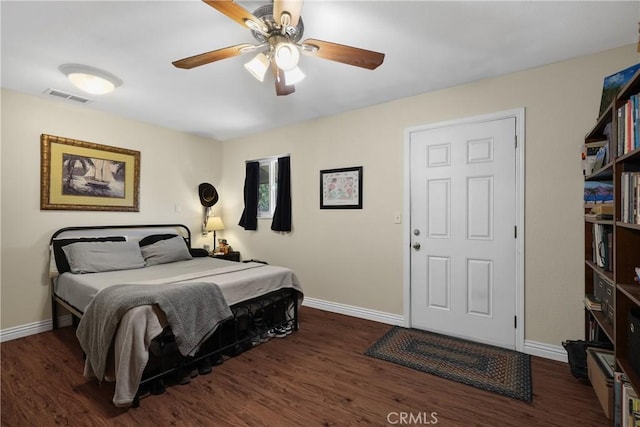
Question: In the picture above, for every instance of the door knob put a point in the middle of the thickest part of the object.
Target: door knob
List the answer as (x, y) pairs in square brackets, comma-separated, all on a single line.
[(416, 246)]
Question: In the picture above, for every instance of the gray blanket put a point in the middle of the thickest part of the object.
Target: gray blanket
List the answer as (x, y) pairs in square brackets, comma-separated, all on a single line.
[(193, 311)]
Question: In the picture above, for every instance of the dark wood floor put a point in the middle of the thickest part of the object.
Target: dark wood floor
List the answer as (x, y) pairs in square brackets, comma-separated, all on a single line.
[(317, 376)]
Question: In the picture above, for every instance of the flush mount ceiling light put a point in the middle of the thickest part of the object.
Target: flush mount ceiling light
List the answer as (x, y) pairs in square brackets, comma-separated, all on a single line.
[(90, 79)]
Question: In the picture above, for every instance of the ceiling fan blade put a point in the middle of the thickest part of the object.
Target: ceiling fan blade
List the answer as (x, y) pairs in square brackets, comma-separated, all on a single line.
[(234, 11), (341, 53), (292, 7), (214, 55), (281, 87)]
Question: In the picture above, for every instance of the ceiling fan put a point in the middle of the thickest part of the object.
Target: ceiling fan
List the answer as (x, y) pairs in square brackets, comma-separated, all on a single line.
[(278, 27)]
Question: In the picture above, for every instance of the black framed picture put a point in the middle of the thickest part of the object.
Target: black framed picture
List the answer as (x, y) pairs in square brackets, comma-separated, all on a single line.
[(341, 188)]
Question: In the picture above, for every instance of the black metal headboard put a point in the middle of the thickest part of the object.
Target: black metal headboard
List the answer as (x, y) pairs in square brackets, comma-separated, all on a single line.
[(76, 231)]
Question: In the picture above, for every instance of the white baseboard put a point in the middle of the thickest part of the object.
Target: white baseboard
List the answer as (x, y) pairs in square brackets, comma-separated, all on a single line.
[(533, 348), (548, 351), (21, 331), (353, 311)]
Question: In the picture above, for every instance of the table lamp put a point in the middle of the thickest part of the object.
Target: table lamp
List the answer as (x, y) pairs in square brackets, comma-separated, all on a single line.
[(214, 223)]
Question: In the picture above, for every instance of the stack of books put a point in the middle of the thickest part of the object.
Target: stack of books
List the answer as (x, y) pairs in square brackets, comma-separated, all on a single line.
[(592, 303), (601, 211)]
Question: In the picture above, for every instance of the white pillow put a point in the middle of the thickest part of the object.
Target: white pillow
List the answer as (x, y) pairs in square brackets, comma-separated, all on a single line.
[(166, 251), (94, 257)]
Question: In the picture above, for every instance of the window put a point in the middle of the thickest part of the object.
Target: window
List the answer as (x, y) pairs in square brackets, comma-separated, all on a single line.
[(267, 187)]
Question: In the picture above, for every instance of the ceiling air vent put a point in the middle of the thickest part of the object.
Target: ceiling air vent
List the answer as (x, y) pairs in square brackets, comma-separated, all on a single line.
[(66, 95)]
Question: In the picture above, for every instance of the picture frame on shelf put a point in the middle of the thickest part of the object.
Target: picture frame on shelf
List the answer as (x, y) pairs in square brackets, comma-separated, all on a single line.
[(601, 158), (612, 85), (590, 150), (81, 175), (598, 192), (341, 188)]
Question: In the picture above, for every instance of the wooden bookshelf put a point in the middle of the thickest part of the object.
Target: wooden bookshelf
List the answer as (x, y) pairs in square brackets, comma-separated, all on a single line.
[(604, 325), (624, 255)]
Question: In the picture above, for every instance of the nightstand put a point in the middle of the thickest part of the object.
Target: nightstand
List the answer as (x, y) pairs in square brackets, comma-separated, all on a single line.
[(231, 256)]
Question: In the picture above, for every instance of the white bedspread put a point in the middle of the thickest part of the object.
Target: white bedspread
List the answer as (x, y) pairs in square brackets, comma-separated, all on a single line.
[(237, 281)]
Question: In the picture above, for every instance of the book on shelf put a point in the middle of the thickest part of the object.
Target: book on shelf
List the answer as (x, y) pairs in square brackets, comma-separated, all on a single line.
[(630, 406), (630, 197), (592, 303), (600, 211), (628, 130), (601, 158), (618, 377), (595, 333), (626, 404), (589, 152), (602, 245)]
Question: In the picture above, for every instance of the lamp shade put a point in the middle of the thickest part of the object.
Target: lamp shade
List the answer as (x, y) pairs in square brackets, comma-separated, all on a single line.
[(293, 76), (258, 66), (214, 223), (286, 56)]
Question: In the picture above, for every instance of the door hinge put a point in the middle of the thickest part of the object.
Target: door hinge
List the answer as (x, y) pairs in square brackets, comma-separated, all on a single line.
[(515, 141), (515, 231), (515, 322)]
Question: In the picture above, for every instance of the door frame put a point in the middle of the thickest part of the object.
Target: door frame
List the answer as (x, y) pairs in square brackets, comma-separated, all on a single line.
[(519, 115)]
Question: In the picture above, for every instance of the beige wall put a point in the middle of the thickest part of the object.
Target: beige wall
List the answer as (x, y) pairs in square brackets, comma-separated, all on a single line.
[(172, 166), (346, 256), (355, 256)]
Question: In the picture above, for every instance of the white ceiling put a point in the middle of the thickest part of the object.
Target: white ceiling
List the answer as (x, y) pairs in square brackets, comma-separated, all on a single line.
[(428, 46)]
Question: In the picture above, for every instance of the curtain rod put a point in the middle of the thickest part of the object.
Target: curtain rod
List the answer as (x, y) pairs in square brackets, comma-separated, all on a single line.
[(269, 158)]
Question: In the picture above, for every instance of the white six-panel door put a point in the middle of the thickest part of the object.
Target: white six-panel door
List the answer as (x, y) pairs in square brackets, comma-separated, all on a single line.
[(463, 217)]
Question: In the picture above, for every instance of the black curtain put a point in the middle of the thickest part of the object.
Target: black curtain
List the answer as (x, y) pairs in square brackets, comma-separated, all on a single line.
[(282, 214), (249, 219)]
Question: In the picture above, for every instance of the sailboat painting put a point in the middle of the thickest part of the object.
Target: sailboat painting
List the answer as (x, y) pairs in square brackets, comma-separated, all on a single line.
[(88, 176), (85, 176)]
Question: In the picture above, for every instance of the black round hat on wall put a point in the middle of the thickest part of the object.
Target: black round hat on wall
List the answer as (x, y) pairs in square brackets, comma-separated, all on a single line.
[(208, 194)]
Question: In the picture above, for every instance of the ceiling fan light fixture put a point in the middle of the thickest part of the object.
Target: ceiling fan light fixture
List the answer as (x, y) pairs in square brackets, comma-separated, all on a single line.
[(293, 76), (90, 79), (309, 48), (286, 56), (258, 66), (254, 26)]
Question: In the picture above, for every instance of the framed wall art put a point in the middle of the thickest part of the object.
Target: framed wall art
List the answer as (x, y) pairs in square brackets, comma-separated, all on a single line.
[(80, 175), (612, 85), (341, 188)]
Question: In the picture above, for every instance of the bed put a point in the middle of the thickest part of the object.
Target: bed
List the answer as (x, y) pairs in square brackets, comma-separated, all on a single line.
[(147, 307)]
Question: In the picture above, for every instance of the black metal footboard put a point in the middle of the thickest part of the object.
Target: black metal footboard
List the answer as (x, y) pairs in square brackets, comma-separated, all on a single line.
[(253, 321)]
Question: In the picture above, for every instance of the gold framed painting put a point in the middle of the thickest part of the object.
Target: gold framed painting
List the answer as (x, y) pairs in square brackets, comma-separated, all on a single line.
[(81, 175)]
